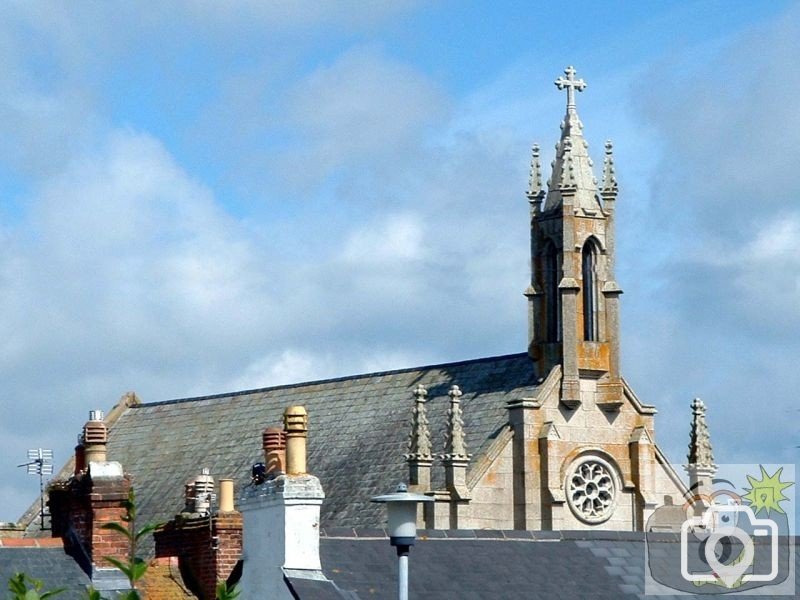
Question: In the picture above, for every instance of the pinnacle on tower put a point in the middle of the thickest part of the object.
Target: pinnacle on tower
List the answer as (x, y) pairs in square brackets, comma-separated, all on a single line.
[(610, 187), (535, 191), (700, 453)]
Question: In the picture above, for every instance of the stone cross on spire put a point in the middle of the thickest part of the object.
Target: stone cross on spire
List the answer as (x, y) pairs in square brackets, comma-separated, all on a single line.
[(571, 84)]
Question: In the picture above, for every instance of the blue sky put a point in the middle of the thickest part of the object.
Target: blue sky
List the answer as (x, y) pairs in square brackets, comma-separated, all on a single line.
[(199, 197)]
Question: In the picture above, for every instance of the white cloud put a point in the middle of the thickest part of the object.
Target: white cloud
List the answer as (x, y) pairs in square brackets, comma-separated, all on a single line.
[(392, 238), (361, 109)]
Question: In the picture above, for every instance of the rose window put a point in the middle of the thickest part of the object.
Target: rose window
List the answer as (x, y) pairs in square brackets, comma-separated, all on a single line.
[(591, 491)]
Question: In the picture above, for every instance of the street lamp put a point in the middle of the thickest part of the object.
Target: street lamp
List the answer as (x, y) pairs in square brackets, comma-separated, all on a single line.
[(402, 516)]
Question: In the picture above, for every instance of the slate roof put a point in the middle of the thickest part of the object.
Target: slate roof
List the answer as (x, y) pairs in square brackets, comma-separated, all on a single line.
[(513, 565), (54, 567), (303, 588), (358, 432)]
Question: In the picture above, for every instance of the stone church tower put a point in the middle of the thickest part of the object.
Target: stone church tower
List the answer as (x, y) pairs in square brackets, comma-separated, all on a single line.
[(573, 296)]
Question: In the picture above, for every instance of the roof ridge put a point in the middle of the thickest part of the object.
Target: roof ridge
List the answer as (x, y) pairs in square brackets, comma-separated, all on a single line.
[(329, 380)]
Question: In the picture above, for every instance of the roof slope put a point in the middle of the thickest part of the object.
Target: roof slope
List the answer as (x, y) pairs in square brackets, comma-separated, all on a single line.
[(512, 565), (358, 431), (54, 567)]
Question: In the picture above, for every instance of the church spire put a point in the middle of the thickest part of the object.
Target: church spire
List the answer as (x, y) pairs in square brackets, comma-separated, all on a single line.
[(572, 180)]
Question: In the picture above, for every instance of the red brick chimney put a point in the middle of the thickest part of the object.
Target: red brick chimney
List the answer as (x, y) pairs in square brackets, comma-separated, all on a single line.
[(95, 495), (208, 544)]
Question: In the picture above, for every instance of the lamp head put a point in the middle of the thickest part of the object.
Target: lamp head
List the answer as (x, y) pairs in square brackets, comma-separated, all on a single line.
[(401, 508)]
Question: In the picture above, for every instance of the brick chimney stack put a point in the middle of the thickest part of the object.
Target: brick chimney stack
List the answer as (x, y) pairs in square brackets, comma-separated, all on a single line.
[(96, 494), (281, 520), (207, 543)]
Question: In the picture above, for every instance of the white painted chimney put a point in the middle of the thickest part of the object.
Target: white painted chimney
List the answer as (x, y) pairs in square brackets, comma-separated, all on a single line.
[(281, 523)]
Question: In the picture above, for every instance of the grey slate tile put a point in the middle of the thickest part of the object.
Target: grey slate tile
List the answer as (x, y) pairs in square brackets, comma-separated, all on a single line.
[(52, 565), (358, 428)]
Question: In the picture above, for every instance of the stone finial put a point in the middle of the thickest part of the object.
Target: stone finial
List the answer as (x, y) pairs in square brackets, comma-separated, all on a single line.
[(571, 85), (610, 186), (700, 453), (455, 447), (419, 439), (535, 190)]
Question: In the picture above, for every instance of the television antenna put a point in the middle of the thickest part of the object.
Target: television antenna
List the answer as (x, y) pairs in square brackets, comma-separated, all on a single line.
[(40, 462)]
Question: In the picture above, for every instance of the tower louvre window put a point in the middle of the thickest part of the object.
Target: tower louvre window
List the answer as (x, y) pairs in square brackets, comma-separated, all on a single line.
[(589, 274), (552, 300)]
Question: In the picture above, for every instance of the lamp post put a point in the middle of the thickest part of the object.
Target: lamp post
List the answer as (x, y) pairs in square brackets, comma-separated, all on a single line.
[(402, 516)]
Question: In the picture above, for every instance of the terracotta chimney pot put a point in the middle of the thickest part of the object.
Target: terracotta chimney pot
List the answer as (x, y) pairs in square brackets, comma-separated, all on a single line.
[(226, 495), (274, 444), (295, 421), (95, 437)]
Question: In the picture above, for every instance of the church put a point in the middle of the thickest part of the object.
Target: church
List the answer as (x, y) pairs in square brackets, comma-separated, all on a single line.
[(549, 439)]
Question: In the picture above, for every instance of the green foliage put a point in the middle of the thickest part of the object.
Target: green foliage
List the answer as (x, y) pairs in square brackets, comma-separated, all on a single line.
[(93, 594), (134, 568), (226, 593), (18, 586), (23, 587)]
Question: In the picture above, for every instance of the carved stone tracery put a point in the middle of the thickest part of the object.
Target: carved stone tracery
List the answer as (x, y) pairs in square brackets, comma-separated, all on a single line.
[(592, 490)]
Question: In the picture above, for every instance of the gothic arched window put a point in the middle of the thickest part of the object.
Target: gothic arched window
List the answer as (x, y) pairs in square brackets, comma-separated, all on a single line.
[(552, 300), (589, 274)]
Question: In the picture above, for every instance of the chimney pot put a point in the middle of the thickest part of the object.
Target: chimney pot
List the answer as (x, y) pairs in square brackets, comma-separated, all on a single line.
[(95, 436), (226, 495), (203, 492), (188, 495), (274, 445), (295, 422)]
